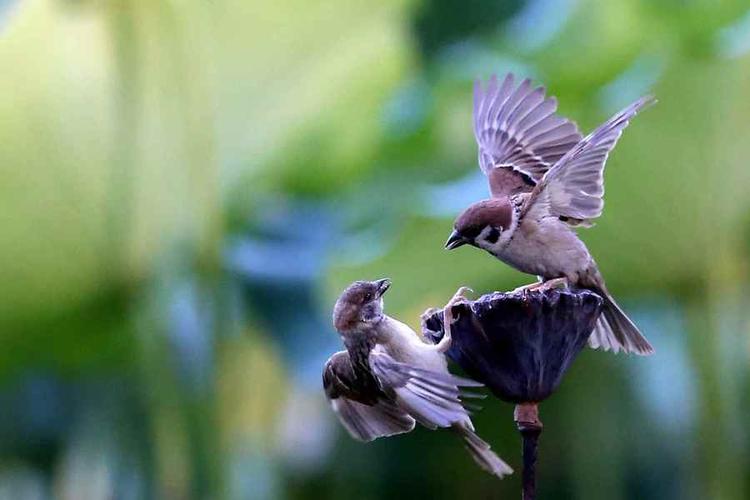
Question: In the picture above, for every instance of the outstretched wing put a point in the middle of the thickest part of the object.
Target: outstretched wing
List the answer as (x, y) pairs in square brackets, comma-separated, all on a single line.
[(574, 186), (365, 413), (519, 135), (432, 398)]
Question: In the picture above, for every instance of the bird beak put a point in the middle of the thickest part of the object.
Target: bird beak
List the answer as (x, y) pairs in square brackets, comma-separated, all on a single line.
[(455, 240), (383, 286)]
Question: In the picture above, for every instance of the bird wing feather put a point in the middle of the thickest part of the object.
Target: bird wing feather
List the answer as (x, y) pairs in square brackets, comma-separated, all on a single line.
[(431, 397), (518, 133), (574, 186), (364, 416)]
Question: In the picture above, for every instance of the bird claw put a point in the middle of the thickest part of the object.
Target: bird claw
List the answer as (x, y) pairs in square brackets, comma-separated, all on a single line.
[(560, 283), (543, 285), (527, 288), (459, 297)]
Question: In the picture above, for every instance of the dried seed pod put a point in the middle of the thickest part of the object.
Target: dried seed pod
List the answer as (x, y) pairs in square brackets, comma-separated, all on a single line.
[(519, 344)]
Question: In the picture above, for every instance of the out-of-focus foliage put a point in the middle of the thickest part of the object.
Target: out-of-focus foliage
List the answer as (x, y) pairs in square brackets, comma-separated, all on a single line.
[(186, 186)]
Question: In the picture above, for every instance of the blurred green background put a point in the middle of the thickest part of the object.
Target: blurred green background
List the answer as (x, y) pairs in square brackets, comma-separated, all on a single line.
[(186, 186)]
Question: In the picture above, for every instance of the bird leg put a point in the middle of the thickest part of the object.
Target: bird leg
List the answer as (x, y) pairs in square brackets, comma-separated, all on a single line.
[(528, 288), (458, 298), (543, 285), (554, 283)]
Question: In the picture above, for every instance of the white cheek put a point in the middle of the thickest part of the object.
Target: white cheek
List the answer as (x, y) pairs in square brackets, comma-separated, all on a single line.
[(482, 240), (497, 246)]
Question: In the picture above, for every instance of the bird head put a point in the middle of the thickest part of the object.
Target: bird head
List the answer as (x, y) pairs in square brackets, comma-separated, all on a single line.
[(360, 304), (482, 224)]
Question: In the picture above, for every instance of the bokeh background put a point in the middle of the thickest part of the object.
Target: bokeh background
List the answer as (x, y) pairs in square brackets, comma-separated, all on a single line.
[(186, 186)]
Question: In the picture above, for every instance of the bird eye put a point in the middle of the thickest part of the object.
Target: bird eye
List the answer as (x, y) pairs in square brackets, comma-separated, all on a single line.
[(493, 235), (368, 297)]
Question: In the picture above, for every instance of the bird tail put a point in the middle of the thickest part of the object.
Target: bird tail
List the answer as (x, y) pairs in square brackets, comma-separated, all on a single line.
[(616, 332), (481, 453)]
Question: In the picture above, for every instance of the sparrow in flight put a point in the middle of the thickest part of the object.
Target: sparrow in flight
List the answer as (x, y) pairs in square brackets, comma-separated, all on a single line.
[(388, 379), (545, 179)]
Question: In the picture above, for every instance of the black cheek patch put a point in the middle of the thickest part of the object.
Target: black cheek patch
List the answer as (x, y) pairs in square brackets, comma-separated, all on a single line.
[(493, 236)]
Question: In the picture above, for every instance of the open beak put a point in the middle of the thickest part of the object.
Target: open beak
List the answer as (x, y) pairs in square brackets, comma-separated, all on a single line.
[(455, 240), (383, 286)]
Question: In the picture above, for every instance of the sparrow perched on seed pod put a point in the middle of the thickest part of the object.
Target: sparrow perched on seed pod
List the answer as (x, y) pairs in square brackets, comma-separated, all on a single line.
[(388, 378), (545, 179)]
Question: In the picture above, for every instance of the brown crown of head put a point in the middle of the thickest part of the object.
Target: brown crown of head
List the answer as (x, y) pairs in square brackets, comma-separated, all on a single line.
[(496, 212), (348, 311)]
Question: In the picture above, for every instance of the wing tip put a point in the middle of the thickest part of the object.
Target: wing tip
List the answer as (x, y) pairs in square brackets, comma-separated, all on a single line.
[(645, 102)]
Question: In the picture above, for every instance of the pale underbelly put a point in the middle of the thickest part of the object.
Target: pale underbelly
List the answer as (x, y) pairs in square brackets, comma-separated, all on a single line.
[(565, 258), (406, 347)]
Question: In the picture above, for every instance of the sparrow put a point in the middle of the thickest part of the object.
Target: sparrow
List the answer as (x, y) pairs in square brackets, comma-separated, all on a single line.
[(545, 180), (388, 379)]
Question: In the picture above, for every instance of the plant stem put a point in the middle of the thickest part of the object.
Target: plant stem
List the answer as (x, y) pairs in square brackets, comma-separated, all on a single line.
[(527, 420)]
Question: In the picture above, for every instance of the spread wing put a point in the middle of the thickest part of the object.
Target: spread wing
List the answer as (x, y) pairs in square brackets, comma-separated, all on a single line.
[(574, 186), (365, 413), (432, 398), (519, 134)]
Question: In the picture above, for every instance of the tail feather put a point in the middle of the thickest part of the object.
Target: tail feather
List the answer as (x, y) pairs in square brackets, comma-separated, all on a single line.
[(482, 454), (615, 332)]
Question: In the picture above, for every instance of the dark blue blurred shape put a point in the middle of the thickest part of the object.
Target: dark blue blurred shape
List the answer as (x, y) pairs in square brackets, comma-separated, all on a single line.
[(280, 261)]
